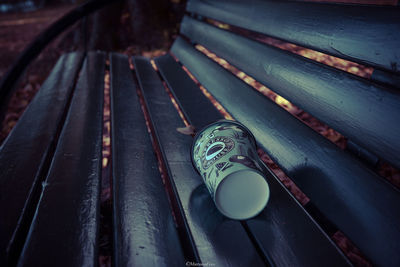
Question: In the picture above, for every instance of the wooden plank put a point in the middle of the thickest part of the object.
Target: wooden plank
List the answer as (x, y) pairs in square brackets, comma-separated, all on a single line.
[(360, 110), (291, 243), (64, 231), (366, 34), (385, 78), (216, 240), (197, 101), (363, 205), (26, 154), (144, 230)]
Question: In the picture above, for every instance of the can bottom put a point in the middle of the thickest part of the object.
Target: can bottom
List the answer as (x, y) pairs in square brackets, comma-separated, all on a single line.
[(242, 195)]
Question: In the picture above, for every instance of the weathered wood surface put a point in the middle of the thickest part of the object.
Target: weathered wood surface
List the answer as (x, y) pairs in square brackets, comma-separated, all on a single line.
[(353, 197), (26, 154), (144, 230), (64, 231), (284, 232), (367, 34), (214, 238), (360, 110)]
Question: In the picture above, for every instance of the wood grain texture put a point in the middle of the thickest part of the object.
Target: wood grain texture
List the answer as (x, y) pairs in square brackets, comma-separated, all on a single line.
[(355, 107), (360, 203), (26, 154), (64, 231), (365, 34), (185, 93), (215, 239), (144, 230), (283, 231)]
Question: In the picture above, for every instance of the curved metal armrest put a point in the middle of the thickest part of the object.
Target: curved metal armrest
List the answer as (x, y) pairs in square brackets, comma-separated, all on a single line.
[(35, 47)]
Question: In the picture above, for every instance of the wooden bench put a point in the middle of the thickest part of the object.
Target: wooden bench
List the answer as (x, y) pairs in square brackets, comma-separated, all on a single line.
[(51, 162)]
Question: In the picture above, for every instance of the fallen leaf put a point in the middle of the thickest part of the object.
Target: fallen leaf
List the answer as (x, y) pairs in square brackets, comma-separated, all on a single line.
[(188, 130)]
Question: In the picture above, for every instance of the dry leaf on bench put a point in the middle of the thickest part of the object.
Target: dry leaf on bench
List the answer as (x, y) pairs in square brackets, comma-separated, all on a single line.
[(188, 130)]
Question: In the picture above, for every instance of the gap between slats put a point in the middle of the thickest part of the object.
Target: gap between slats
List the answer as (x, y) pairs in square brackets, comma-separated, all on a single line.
[(105, 233), (19, 237), (332, 61), (356, 68), (382, 167), (343, 242), (176, 209), (267, 261), (173, 100), (367, 72), (335, 102)]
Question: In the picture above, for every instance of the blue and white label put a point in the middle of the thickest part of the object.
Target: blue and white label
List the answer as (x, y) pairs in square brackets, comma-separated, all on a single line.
[(215, 149)]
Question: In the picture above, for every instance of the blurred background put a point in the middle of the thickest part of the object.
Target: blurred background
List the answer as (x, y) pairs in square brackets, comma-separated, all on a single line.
[(145, 27)]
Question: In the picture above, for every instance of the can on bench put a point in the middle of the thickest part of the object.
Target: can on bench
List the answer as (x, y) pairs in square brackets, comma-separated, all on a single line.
[(225, 155)]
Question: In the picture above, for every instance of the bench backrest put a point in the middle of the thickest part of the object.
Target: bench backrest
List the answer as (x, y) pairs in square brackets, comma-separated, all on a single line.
[(365, 110)]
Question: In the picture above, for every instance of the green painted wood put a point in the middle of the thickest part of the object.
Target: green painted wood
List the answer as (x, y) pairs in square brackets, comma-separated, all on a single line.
[(144, 230), (366, 34), (181, 84), (357, 108), (386, 79), (26, 154), (64, 231), (215, 239), (360, 203), (284, 231)]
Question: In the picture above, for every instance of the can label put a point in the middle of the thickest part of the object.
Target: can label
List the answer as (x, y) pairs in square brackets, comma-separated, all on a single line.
[(221, 149), (216, 148), (225, 155)]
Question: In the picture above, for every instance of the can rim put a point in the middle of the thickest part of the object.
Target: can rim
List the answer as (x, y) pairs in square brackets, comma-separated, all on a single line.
[(259, 172), (211, 124)]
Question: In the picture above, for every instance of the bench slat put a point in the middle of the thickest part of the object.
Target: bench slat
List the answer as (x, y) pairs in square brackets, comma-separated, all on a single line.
[(284, 230), (144, 230), (385, 78), (25, 155), (361, 204), (182, 84), (367, 34), (362, 111), (217, 240), (64, 231)]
